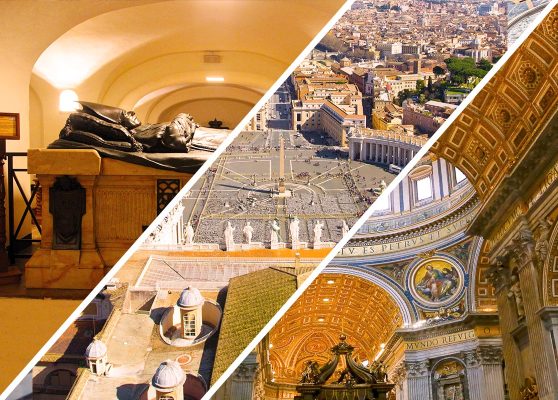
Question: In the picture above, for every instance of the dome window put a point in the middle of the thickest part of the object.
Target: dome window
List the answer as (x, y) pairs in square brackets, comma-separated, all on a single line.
[(424, 188), (459, 176)]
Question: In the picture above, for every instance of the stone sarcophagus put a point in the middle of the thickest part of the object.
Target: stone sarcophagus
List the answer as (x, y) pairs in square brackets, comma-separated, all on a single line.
[(93, 210)]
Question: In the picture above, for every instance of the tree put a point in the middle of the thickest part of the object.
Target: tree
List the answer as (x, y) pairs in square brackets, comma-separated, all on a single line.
[(484, 64), (404, 95), (430, 84), (461, 69), (438, 71)]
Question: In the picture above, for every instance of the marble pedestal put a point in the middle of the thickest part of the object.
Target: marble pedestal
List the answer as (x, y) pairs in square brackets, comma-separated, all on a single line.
[(245, 246), (299, 245), (251, 246), (121, 200), (277, 246), (323, 245)]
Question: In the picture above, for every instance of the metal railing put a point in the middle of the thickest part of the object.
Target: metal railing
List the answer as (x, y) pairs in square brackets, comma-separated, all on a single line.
[(18, 243)]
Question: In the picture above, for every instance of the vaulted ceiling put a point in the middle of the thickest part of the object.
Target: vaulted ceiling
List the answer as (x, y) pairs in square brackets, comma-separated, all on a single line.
[(149, 55), (332, 304)]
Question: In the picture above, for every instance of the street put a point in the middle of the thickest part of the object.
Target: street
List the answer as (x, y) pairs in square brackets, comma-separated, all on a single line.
[(279, 111)]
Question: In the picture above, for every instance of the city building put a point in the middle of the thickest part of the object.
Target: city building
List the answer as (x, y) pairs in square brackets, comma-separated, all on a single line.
[(383, 147), (426, 118), (325, 116)]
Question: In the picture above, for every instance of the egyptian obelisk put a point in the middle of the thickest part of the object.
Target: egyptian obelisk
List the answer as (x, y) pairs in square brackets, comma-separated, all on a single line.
[(281, 166)]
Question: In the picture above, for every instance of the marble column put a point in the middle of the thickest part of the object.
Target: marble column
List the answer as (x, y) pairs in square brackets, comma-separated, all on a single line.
[(484, 373), (419, 386), (475, 379), (490, 358), (242, 380), (398, 377), (539, 337), (499, 276), (549, 315)]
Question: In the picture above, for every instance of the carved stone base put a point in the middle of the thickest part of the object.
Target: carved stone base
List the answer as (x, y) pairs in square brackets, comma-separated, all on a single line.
[(323, 245), (12, 275), (283, 194), (64, 269), (299, 245), (121, 199), (253, 245), (277, 246)]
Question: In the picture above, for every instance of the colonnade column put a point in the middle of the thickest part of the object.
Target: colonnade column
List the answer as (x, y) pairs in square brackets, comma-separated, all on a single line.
[(539, 338), (380, 153), (418, 380), (353, 149)]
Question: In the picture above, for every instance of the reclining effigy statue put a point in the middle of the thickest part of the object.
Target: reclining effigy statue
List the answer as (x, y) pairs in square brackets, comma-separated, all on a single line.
[(114, 128)]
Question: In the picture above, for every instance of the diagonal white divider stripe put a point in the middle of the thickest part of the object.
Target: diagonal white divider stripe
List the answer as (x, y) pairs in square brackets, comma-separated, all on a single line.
[(173, 202), (385, 193)]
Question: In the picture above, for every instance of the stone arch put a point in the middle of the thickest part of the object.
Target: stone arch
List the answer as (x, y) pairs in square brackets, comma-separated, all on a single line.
[(442, 361), (61, 378)]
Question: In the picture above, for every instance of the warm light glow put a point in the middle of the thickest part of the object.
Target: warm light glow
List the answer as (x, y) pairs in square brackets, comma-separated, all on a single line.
[(271, 345), (330, 282), (419, 323), (67, 101), (379, 354), (365, 363), (321, 319), (214, 79), (326, 300)]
